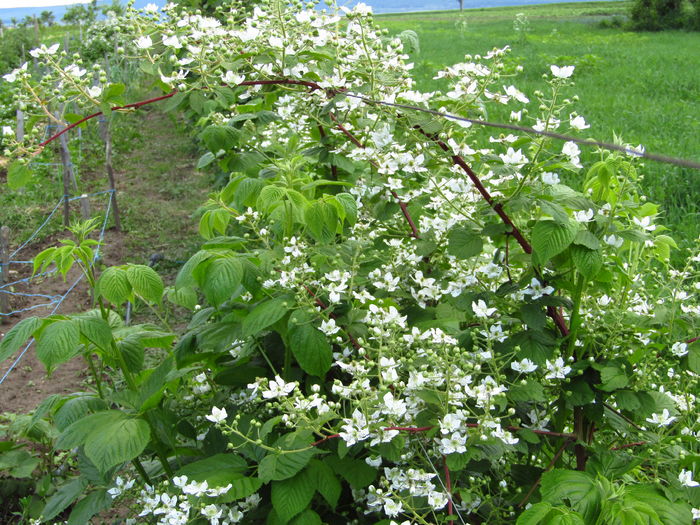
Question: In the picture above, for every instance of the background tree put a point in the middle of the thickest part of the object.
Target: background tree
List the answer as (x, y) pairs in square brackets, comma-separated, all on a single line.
[(656, 15), (115, 7), (47, 18)]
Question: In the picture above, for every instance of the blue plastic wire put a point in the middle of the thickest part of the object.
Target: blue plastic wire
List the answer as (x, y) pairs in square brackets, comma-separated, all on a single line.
[(63, 297), (27, 279), (27, 309), (21, 262), (24, 294), (33, 235)]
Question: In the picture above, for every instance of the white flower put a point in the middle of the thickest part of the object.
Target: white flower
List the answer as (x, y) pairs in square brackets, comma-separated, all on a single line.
[(43, 50), (536, 290), (644, 223), (570, 149), (218, 415), (172, 41), (437, 500), (453, 444), (578, 122), (278, 388), (392, 508), (563, 71), (144, 42), (549, 177), (513, 157), (516, 115), (481, 310), (556, 369), (7, 131), (636, 152), (232, 78), (94, 91), (12, 77), (212, 512), (679, 349), (151, 8), (329, 327), (696, 513), (525, 366), (75, 71), (513, 92), (663, 419), (613, 240), (584, 216)]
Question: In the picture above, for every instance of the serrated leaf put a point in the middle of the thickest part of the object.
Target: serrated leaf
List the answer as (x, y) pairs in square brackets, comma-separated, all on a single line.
[(327, 483), (588, 262), (355, 471), (218, 138), (587, 239), (217, 470), (464, 243), (17, 335), (270, 196), (265, 314), (77, 432), (577, 487), (87, 507), (205, 160), (95, 330), (63, 498), (18, 175), (308, 517), (693, 357), (550, 238), (322, 221), (119, 440), (276, 467), (145, 282), (185, 297), (554, 210), (221, 279), (535, 514), (533, 315), (310, 347), (59, 342), (613, 377), (291, 496), (114, 285), (349, 204)]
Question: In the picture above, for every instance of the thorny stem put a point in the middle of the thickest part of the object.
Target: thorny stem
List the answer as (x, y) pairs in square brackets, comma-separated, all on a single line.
[(448, 484)]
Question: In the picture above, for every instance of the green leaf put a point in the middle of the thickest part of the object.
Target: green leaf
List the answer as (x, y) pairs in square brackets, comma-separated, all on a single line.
[(242, 487), (310, 347), (77, 432), (77, 408), (322, 221), (17, 335), (205, 160), (87, 507), (63, 498), (308, 517), (530, 391), (588, 262), (535, 514), (327, 483), (59, 342), (355, 471), (550, 238), (218, 138), (270, 197), (587, 239), (185, 297), (693, 356), (291, 496), (112, 92), (464, 243), (95, 330), (18, 175), (613, 377), (146, 282), (349, 204), (278, 466), (265, 314), (554, 210), (578, 488), (120, 439), (533, 316), (217, 470), (669, 512), (113, 285), (19, 463), (221, 279)]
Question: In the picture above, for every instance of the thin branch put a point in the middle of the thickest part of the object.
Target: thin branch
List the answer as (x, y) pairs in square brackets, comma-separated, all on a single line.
[(551, 464)]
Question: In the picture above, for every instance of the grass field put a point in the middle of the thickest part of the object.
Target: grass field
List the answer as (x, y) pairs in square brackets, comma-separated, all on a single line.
[(644, 87)]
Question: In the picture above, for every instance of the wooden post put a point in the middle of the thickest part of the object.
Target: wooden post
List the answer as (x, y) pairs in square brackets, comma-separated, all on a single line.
[(107, 137), (4, 271), (68, 181), (20, 126)]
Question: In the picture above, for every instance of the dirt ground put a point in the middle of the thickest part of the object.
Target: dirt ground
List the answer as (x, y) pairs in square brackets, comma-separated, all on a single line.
[(27, 384)]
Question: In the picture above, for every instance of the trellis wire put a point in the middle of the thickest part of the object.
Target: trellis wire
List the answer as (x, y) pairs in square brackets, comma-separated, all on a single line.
[(63, 297)]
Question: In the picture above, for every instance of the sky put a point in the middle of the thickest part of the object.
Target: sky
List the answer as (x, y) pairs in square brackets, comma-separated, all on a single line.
[(8, 4)]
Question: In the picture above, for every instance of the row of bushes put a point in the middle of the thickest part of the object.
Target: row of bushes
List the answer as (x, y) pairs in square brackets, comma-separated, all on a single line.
[(656, 15)]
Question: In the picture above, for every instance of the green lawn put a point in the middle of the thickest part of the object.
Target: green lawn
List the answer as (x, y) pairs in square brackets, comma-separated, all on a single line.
[(644, 87)]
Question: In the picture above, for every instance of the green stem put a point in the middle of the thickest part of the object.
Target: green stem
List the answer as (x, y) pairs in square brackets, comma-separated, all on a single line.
[(142, 472), (576, 314), (95, 376)]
